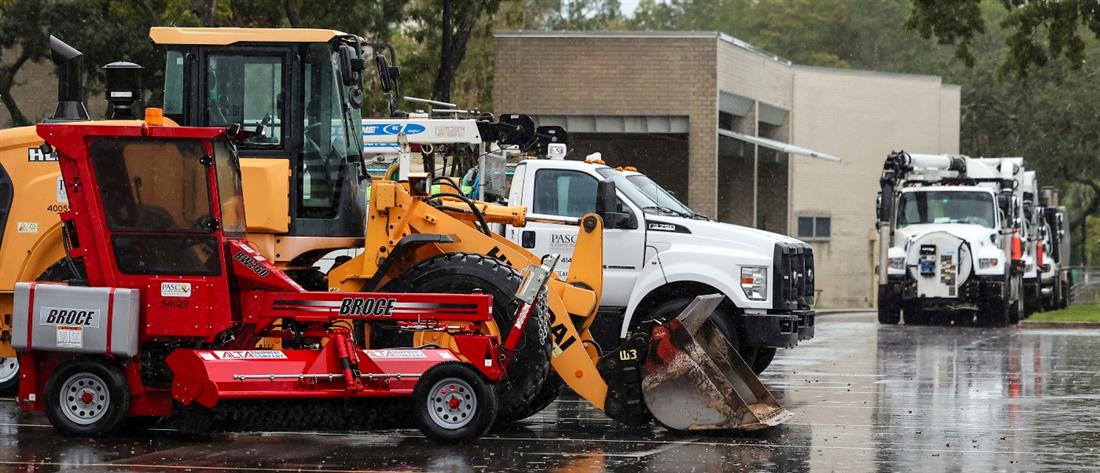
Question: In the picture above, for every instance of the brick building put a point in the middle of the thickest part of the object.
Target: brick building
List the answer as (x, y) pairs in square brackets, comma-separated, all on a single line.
[(687, 108)]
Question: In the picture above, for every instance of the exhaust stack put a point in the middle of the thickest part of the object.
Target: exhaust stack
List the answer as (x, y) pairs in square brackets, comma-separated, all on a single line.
[(70, 91)]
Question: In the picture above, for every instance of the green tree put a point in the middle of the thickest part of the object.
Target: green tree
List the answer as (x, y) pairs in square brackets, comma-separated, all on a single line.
[(1039, 31)]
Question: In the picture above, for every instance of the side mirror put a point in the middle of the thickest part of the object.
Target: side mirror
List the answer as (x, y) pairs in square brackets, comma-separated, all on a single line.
[(387, 75), (606, 205)]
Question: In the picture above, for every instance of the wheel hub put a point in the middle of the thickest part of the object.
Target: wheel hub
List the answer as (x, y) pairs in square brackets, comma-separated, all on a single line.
[(9, 368), (85, 398), (452, 404)]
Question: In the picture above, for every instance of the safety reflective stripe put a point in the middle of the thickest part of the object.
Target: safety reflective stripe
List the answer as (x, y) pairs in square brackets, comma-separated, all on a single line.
[(30, 315), (110, 317)]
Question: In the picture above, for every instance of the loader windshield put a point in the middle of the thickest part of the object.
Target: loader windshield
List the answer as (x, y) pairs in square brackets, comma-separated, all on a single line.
[(942, 207)]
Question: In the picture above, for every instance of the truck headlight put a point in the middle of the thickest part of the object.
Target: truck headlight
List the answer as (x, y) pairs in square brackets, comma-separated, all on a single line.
[(897, 263), (986, 263), (754, 281)]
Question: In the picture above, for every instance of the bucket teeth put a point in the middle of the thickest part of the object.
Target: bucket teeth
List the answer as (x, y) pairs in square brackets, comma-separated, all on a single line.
[(695, 380)]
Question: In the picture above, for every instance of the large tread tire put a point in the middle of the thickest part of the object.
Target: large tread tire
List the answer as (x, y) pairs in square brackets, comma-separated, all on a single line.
[(550, 391), (95, 394), (475, 403), (888, 312), (465, 273)]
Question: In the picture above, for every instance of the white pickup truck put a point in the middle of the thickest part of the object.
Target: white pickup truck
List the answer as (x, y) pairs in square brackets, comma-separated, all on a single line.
[(657, 258)]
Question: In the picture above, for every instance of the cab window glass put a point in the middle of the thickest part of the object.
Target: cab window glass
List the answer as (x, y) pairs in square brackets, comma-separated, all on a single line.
[(247, 90), (230, 192), (564, 193), (173, 85), (152, 185), (325, 140)]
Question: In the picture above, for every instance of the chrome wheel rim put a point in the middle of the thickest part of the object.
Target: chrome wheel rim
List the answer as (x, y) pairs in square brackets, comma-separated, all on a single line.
[(85, 398), (452, 403), (9, 369)]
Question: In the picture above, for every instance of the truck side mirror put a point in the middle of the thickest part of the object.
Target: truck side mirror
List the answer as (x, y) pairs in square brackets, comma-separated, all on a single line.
[(606, 205)]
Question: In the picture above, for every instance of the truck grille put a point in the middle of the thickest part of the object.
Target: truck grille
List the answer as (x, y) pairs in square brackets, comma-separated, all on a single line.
[(794, 276)]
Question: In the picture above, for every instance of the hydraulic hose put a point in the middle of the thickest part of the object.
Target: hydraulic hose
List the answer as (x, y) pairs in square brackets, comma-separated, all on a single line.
[(473, 208)]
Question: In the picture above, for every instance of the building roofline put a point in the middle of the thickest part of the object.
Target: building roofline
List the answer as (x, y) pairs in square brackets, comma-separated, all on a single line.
[(725, 38), (866, 72)]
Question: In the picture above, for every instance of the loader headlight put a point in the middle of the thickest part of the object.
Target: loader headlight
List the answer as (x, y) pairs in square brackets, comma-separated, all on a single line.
[(754, 281), (897, 263), (986, 263)]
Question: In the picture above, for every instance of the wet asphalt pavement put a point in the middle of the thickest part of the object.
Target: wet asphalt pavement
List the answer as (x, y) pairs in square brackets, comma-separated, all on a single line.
[(865, 398)]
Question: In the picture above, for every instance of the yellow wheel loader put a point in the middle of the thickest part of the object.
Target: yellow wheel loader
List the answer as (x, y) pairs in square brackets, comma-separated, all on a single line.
[(295, 94)]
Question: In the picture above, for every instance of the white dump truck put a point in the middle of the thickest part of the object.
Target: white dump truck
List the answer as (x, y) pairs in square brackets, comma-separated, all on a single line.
[(952, 233)]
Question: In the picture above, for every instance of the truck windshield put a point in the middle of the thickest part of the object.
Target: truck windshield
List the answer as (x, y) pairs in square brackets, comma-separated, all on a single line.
[(976, 208), (659, 194), (629, 190)]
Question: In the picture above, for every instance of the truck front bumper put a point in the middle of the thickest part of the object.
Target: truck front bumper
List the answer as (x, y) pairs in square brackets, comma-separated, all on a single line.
[(780, 329)]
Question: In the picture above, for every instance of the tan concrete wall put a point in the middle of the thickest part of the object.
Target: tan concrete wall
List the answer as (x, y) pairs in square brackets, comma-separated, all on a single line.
[(618, 75), (860, 117), (35, 93)]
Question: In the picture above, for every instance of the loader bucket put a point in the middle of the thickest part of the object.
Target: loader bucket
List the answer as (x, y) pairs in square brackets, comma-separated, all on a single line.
[(695, 380)]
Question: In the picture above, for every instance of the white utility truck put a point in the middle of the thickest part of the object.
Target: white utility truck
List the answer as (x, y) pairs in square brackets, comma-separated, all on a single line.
[(658, 258), (952, 235)]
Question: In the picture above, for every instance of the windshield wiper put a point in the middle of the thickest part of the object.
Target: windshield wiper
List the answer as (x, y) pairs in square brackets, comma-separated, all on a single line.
[(666, 210)]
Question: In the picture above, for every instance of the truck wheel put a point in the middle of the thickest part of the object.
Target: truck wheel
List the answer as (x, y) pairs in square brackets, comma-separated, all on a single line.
[(762, 359), (996, 313), (673, 307), (889, 313), (9, 375), (87, 397), (915, 314), (464, 273), (452, 402)]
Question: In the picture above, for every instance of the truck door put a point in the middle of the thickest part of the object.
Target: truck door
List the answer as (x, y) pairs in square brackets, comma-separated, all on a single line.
[(563, 195)]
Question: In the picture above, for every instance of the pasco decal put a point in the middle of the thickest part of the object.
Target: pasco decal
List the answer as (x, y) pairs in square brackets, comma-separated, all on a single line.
[(397, 354), (367, 306), (35, 155), (382, 129), (68, 316), (175, 289), (250, 354), (251, 263)]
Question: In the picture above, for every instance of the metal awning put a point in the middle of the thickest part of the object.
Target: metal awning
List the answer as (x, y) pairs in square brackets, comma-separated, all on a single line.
[(778, 145)]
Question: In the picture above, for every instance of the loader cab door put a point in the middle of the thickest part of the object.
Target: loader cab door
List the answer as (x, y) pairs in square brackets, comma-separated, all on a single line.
[(163, 229), (292, 95), (565, 195)]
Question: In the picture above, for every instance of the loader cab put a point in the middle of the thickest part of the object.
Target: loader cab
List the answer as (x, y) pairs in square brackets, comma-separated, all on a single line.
[(153, 208), (298, 91)]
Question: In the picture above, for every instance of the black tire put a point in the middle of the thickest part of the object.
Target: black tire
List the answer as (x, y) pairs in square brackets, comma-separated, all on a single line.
[(915, 314), (464, 273), (671, 308), (889, 312), (9, 376), (87, 397), (763, 359), (551, 389), (996, 313), (453, 402)]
